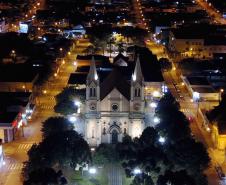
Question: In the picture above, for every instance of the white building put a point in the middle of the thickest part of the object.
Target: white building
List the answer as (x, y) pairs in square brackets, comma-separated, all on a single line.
[(114, 107)]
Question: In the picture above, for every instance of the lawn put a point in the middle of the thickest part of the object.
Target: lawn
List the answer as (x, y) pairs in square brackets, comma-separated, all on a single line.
[(100, 178)]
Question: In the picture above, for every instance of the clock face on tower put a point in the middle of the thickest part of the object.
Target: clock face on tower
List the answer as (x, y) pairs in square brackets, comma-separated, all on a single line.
[(136, 106), (92, 106)]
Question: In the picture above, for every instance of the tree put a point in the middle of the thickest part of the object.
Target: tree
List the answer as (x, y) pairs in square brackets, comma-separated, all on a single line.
[(144, 153), (105, 154), (173, 123), (65, 107), (189, 155), (182, 150), (164, 163), (55, 125), (65, 100), (175, 178), (218, 113), (45, 176), (166, 65), (61, 149)]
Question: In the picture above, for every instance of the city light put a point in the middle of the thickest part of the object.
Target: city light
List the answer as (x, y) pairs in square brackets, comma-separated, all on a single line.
[(77, 103), (92, 170), (156, 94), (162, 140), (72, 119), (196, 96), (96, 77), (156, 120), (137, 171), (92, 149), (153, 104)]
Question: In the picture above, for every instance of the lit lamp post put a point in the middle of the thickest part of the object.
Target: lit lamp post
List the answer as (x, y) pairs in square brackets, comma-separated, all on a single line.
[(92, 170), (196, 98), (1, 154), (220, 94), (13, 55)]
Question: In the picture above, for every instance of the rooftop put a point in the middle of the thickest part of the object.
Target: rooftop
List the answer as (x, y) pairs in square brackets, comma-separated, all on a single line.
[(197, 80), (17, 73), (7, 118), (204, 89)]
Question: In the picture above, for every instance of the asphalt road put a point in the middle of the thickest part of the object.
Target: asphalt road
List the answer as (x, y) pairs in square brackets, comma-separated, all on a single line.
[(16, 152)]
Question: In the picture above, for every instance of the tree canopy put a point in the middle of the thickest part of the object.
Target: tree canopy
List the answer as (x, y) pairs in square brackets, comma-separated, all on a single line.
[(178, 159), (54, 125), (66, 100)]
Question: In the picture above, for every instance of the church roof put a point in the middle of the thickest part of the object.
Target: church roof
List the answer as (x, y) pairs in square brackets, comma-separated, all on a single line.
[(120, 56), (115, 80)]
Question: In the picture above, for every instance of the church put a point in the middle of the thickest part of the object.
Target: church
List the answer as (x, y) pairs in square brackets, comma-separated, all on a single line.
[(115, 106)]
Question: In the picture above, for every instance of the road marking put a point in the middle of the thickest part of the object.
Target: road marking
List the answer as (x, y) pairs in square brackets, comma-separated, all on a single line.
[(49, 107), (26, 146), (15, 166)]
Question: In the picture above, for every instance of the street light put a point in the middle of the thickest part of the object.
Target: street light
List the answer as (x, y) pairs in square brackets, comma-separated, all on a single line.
[(220, 95), (92, 170), (153, 105), (162, 140), (77, 103), (156, 120), (137, 171), (72, 119)]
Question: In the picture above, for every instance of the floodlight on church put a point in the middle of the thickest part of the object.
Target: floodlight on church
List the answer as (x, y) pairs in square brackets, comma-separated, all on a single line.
[(162, 139), (153, 105), (134, 77), (156, 94), (156, 120), (137, 171), (72, 119), (92, 170), (96, 77), (77, 103)]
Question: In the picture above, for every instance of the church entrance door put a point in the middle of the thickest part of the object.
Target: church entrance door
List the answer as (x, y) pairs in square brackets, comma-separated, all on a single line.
[(114, 137)]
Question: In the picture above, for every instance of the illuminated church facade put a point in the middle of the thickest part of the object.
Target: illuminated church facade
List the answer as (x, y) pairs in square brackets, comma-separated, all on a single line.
[(114, 107)]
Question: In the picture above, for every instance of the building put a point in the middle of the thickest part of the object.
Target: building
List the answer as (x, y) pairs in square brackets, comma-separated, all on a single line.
[(1, 154), (17, 79), (218, 136), (202, 44), (200, 88), (114, 107), (3, 26), (120, 102), (15, 109)]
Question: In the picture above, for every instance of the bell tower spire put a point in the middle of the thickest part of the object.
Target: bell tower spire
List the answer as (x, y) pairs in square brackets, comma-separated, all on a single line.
[(92, 75), (92, 82), (137, 76)]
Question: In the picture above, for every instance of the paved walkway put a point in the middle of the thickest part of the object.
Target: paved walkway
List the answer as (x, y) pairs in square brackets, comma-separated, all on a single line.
[(114, 175)]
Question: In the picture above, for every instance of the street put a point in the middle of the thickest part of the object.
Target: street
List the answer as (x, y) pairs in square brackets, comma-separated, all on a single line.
[(15, 153)]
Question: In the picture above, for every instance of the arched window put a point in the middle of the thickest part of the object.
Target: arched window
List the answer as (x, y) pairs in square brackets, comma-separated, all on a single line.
[(138, 92), (124, 131), (94, 92), (104, 131), (90, 92), (93, 133), (135, 92)]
